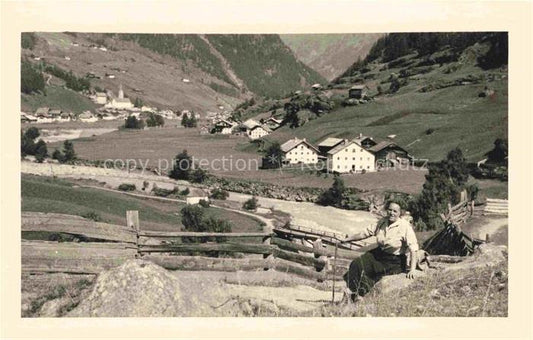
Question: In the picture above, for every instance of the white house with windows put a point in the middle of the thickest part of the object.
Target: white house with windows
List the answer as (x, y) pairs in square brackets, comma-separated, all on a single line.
[(258, 132), (350, 156), (299, 151)]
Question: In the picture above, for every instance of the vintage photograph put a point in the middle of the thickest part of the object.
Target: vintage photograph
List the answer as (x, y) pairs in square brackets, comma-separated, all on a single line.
[(264, 175)]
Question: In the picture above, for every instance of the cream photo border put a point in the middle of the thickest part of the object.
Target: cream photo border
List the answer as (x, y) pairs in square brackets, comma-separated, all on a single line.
[(275, 16)]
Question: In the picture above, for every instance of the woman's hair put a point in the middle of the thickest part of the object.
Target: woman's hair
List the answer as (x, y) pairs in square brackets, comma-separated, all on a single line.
[(394, 202)]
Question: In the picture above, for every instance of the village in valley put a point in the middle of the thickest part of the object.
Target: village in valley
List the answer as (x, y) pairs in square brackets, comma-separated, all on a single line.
[(222, 174)]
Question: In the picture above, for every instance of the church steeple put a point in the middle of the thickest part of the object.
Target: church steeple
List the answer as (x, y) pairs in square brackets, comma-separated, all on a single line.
[(120, 92)]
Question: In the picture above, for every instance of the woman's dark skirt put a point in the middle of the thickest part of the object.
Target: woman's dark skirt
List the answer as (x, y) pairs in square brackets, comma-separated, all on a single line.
[(366, 270)]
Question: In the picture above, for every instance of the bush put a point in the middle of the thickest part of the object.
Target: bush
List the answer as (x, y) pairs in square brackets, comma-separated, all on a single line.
[(430, 131), (198, 175), (250, 204), (162, 192), (219, 194), (92, 216), (193, 219), (155, 120), (185, 192), (204, 203), (127, 187)]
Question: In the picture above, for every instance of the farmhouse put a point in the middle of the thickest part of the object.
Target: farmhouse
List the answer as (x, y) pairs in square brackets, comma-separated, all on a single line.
[(87, 117), (350, 156), (259, 132), (43, 115), (357, 91), (390, 154), (273, 123), (299, 151), (328, 144), (64, 117), (224, 127), (26, 118)]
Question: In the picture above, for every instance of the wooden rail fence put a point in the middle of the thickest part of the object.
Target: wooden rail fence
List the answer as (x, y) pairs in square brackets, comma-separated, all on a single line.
[(91, 247), (496, 207)]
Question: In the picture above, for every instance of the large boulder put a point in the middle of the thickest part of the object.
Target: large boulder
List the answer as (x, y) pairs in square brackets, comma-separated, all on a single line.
[(135, 289)]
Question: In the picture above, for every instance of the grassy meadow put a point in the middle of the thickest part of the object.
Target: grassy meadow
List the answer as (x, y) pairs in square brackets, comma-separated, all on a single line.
[(46, 194), (57, 98)]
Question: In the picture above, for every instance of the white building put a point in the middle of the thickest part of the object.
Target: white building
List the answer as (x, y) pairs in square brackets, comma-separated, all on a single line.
[(100, 98), (350, 157), (120, 102), (258, 132), (299, 151), (87, 117)]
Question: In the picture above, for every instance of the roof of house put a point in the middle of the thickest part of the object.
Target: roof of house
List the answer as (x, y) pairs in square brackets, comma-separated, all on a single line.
[(42, 111), (358, 87), (342, 146), (55, 112), (360, 139), (250, 123), (264, 127), (275, 120), (86, 115), (101, 94), (122, 100), (292, 143), (384, 144), (330, 142)]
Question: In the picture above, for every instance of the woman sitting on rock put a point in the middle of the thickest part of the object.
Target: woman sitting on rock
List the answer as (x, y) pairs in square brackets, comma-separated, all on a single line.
[(395, 237)]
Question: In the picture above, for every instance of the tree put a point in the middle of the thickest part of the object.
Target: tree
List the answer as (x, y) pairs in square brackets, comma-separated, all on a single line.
[(155, 120), (133, 123), (41, 151), (444, 182), (138, 102), (498, 155), (273, 156), (182, 167), (250, 204), (192, 218), (29, 147), (189, 122), (68, 151), (334, 195), (57, 155)]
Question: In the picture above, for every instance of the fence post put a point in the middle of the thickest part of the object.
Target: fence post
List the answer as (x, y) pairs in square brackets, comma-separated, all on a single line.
[(267, 239), (132, 221)]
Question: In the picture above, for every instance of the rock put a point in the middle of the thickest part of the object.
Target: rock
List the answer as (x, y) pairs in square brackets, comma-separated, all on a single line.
[(135, 289), (391, 283), (52, 308)]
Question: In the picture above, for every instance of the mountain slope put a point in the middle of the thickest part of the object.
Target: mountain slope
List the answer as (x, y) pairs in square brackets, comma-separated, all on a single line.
[(432, 92), (330, 54), (265, 63), (187, 71)]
